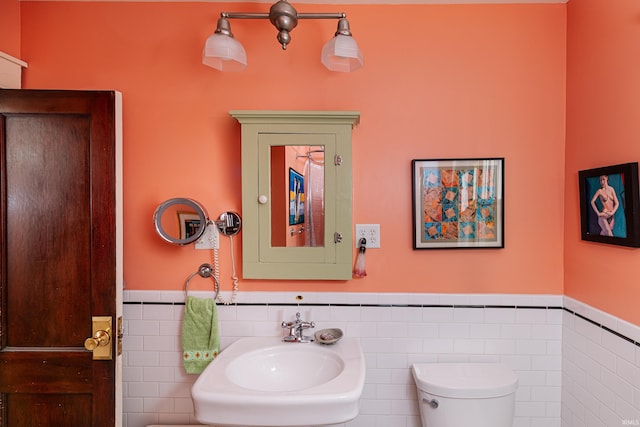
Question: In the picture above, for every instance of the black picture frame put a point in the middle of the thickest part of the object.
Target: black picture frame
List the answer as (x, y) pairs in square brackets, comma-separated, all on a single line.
[(621, 228), (458, 203)]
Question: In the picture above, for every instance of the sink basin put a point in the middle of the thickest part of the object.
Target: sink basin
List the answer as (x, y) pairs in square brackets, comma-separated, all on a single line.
[(284, 368), (261, 381)]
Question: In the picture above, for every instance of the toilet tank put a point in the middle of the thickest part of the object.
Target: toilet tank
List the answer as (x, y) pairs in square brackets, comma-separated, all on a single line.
[(473, 394)]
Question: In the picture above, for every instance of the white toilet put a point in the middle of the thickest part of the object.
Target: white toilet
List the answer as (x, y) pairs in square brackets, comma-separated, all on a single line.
[(465, 394)]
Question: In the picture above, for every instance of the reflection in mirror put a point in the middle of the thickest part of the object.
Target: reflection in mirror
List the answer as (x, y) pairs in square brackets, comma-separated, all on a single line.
[(180, 221), (297, 196), (229, 223)]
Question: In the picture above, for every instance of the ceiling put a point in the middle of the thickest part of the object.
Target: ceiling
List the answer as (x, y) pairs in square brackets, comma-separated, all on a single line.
[(338, 2)]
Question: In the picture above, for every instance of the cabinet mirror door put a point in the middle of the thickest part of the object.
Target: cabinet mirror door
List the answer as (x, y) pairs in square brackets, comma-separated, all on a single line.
[(277, 244)]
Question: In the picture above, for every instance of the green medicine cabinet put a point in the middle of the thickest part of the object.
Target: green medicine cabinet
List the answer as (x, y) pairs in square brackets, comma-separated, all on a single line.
[(296, 194)]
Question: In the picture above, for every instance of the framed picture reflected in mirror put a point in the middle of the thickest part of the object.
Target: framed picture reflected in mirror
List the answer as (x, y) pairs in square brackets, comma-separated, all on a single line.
[(296, 197)]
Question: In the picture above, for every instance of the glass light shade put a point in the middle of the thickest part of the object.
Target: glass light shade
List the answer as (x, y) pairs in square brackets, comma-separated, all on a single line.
[(341, 53), (224, 53)]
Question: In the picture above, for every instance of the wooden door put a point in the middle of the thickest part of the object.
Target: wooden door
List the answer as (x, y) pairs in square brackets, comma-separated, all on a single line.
[(61, 257)]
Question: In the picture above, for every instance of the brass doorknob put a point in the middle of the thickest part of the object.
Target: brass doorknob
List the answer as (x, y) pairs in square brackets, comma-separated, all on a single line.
[(100, 339)]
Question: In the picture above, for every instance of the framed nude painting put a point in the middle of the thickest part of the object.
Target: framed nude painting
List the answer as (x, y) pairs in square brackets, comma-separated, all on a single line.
[(609, 205)]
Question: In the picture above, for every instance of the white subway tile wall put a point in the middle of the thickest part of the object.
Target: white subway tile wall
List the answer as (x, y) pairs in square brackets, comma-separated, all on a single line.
[(600, 368), (397, 330)]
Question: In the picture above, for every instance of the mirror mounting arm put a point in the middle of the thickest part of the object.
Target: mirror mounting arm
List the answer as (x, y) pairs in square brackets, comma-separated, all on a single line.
[(229, 223)]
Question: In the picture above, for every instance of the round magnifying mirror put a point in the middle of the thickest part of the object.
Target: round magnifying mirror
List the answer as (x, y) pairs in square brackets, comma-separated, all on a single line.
[(180, 221)]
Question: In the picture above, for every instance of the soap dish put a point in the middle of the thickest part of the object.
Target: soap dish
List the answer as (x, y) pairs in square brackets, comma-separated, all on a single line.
[(328, 336)]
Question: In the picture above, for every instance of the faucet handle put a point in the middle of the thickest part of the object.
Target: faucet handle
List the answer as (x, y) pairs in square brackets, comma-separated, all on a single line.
[(306, 325)]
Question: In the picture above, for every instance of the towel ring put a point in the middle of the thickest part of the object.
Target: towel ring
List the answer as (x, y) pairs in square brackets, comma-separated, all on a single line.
[(205, 270)]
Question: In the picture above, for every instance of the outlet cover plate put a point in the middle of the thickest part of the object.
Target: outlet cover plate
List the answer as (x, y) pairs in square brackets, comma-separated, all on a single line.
[(210, 238), (371, 232)]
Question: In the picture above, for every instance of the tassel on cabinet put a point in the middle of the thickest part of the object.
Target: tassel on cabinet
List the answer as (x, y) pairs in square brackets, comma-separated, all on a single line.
[(359, 270)]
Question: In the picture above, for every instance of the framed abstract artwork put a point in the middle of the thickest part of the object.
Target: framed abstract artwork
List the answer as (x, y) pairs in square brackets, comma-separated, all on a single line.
[(458, 203), (609, 205)]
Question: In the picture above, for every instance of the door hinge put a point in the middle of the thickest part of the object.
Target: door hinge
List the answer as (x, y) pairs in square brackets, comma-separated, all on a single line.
[(337, 160), (120, 335), (337, 237)]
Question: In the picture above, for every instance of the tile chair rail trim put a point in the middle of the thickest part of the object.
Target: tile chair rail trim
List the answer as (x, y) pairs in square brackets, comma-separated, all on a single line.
[(454, 306)]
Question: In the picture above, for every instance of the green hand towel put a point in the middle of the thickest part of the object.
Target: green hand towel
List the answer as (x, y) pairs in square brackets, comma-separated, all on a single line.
[(200, 339)]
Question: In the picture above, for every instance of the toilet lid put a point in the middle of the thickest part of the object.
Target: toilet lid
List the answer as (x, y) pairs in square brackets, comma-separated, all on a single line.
[(465, 380)]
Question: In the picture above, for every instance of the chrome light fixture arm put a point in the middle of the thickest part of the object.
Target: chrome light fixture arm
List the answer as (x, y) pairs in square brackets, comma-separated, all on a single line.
[(284, 17), (339, 54)]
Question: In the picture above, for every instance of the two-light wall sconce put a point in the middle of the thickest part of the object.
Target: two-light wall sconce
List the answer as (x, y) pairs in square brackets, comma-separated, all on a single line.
[(223, 52)]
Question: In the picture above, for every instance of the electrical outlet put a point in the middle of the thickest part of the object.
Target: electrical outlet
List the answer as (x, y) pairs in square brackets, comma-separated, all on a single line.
[(371, 232), (210, 238)]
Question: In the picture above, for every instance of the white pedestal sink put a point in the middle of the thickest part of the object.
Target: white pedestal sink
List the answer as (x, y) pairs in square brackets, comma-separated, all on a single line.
[(261, 381)]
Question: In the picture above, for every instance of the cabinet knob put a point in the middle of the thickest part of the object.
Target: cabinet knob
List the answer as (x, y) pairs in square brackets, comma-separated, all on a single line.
[(262, 199)]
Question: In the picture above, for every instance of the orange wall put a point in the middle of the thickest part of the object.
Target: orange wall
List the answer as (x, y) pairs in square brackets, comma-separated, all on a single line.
[(443, 82), (603, 128), (10, 27)]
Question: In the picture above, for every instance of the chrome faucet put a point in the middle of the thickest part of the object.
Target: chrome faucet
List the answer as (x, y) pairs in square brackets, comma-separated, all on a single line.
[(296, 330)]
